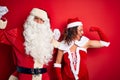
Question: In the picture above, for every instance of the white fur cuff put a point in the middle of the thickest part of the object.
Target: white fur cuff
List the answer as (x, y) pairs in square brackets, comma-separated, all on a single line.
[(3, 24), (57, 65), (106, 44)]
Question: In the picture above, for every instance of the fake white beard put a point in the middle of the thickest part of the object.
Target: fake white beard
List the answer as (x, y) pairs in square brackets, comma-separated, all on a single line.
[(38, 40)]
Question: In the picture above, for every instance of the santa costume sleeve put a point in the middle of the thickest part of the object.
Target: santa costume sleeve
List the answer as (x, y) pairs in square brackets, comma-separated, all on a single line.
[(8, 36), (104, 40)]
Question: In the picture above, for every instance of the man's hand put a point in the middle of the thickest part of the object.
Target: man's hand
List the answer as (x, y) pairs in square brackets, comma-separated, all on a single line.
[(55, 43)]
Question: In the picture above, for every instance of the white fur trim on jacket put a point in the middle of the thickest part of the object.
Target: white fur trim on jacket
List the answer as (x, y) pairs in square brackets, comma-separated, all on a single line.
[(64, 46), (12, 77), (75, 72), (37, 65)]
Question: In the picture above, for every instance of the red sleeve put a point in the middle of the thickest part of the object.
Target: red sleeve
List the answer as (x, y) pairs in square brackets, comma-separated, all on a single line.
[(58, 73), (15, 73), (100, 33), (8, 36)]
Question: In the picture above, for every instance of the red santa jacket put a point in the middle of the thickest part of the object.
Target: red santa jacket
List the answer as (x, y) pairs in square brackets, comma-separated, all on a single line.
[(14, 37)]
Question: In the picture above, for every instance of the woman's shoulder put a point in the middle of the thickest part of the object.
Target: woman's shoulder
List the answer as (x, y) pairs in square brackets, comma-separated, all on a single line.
[(63, 46), (82, 41)]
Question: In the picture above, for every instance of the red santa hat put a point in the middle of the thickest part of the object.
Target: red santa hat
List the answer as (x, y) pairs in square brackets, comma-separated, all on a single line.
[(73, 22), (39, 13)]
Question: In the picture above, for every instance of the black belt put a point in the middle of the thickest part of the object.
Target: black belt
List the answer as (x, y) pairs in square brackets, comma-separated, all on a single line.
[(34, 71)]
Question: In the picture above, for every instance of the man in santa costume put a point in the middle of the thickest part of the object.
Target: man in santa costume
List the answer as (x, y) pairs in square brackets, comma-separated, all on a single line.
[(72, 54), (33, 46)]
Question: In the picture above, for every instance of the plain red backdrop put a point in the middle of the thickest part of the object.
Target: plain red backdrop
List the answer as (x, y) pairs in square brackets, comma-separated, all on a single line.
[(103, 64)]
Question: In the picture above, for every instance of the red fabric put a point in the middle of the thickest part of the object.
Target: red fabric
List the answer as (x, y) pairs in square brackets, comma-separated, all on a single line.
[(3, 18), (15, 39), (15, 74), (66, 69), (58, 73), (101, 34), (83, 73), (71, 20), (103, 64)]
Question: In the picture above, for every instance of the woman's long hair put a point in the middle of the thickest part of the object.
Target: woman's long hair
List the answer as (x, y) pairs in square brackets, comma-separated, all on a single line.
[(70, 34)]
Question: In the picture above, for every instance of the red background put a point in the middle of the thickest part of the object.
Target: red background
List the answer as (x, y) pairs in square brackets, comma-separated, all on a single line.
[(103, 64)]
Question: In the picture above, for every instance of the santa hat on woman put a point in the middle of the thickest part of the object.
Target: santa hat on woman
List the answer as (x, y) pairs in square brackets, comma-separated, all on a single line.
[(73, 22)]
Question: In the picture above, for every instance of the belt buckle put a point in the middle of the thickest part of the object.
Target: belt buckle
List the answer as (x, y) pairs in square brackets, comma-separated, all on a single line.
[(32, 71), (37, 71)]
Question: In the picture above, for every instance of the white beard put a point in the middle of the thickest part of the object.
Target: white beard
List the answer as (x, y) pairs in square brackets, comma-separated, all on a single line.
[(38, 40)]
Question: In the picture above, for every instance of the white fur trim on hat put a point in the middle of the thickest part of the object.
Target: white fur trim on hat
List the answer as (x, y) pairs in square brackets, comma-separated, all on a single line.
[(39, 13), (3, 24), (74, 24)]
